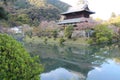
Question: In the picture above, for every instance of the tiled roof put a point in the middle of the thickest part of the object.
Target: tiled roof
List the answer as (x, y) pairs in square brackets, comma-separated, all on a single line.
[(79, 9)]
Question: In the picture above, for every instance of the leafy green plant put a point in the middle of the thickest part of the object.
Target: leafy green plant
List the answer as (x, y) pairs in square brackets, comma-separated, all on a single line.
[(68, 31), (54, 34), (45, 40), (23, 18), (15, 62), (61, 40), (102, 34)]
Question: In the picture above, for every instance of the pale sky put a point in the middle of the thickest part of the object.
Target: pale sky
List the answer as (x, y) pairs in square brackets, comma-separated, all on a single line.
[(102, 8)]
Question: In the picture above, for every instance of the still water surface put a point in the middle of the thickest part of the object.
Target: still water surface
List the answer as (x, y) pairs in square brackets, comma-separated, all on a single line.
[(75, 62)]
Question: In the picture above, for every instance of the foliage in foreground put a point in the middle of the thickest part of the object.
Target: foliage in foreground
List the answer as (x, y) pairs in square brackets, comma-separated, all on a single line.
[(15, 62)]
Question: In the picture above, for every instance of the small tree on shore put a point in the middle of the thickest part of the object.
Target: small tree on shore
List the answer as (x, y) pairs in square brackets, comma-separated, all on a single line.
[(68, 31), (102, 34)]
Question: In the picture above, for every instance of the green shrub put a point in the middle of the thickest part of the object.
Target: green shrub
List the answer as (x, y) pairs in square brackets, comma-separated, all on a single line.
[(74, 39), (45, 40), (61, 40), (54, 34), (90, 41), (68, 31), (102, 34), (15, 62)]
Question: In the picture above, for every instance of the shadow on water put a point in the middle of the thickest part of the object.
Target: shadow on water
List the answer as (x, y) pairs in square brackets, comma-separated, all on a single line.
[(79, 60)]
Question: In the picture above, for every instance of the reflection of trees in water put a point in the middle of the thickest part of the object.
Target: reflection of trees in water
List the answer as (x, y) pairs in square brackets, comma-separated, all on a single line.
[(108, 51), (76, 58)]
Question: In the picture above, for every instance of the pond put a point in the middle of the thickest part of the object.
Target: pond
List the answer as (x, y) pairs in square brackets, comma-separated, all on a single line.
[(78, 62)]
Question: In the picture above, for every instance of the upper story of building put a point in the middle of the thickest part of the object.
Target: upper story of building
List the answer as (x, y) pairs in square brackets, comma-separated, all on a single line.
[(76, 15)]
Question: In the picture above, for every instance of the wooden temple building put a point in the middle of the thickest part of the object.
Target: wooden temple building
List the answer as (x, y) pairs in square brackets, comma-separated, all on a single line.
[(75, 17), (80, 19)]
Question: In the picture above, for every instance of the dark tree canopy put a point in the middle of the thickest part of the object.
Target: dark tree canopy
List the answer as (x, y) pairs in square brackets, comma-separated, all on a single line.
[(3, 13), (6, 1)]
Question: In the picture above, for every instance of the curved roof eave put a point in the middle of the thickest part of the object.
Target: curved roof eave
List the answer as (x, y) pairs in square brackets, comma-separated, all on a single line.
[(64, 13)]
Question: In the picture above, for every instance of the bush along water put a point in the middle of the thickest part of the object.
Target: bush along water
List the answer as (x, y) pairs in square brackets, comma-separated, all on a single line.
[(15, 61)]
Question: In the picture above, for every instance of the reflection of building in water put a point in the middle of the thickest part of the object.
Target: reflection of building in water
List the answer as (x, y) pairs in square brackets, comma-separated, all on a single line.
[(61, 74), (75, 59), (82, 77), (80, 70), (78, 59)]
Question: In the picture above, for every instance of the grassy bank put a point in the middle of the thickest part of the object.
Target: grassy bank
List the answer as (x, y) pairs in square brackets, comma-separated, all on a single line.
[(45, 40)]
